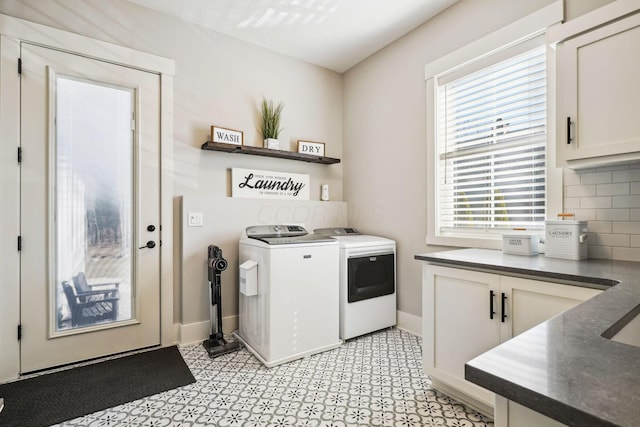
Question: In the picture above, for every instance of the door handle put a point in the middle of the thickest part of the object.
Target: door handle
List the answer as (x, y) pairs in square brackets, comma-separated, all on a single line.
[(504, 303), (150, 244), (568, 130), (492, 295)]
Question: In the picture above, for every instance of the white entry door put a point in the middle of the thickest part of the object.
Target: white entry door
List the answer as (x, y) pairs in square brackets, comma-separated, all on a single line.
[(90, 208)]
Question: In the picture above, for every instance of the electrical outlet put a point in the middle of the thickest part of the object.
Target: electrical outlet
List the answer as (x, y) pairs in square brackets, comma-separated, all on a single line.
[(194, 219)]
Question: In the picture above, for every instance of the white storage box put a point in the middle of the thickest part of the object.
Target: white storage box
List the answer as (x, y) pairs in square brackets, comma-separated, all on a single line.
[(520, 244), (566, 239), (249, 278)]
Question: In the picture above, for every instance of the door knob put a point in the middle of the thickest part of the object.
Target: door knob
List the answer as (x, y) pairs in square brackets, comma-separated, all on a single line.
[(150, 244), (151, 227)]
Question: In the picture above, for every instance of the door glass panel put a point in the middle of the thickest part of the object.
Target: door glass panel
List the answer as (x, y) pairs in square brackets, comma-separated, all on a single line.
[(93, 205)]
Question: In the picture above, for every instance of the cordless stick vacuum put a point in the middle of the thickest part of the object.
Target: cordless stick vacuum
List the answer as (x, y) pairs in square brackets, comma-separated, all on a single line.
[(216, 345)]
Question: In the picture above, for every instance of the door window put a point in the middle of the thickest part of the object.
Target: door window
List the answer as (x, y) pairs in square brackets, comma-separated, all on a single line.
[(93, 203)]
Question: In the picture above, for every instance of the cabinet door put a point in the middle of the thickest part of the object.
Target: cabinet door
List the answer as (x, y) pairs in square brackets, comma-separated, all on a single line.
[(457, 325), (512, 414), (531, 302), (599, 93)]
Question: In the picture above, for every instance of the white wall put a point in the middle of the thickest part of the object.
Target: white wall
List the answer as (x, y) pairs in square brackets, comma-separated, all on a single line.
[(218, 80), (385, 127)]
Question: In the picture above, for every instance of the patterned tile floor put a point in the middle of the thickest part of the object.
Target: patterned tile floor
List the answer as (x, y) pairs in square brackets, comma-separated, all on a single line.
[(374, 380)]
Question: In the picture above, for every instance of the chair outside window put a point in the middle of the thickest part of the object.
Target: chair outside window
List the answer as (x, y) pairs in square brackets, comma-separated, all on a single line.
[(83, 288), (87, 309)]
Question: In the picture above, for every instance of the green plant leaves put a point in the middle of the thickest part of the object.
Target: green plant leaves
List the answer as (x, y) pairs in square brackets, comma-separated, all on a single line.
[(271, 118)]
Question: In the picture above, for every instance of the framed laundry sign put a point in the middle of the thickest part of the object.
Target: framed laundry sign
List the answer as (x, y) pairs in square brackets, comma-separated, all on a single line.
[(228, 136), (259, 184)]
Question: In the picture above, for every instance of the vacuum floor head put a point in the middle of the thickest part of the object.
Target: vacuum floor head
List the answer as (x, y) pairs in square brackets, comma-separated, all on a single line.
[(218, 347)]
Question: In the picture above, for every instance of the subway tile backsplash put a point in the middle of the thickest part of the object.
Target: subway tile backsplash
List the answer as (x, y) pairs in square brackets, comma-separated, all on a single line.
[(609, 198)]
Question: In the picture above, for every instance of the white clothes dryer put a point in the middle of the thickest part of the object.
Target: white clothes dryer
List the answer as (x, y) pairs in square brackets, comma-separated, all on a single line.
[(292, 310), (367, 281)]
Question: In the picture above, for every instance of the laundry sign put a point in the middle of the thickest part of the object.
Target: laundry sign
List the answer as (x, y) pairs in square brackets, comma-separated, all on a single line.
[(259, 184)]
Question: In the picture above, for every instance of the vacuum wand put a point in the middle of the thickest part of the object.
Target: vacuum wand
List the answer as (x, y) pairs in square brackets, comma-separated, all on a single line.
[(216, 345), (216, 297)]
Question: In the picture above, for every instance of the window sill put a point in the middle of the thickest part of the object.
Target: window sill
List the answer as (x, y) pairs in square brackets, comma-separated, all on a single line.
[(489, 242)]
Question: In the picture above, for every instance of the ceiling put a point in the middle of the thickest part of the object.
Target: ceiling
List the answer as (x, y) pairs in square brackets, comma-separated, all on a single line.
[(335, 34)]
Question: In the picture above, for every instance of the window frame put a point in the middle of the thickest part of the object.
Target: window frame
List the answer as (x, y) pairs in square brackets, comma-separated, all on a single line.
[(487, 50)]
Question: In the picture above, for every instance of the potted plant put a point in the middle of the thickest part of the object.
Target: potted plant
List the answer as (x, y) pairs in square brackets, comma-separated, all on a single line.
[(271, 123)]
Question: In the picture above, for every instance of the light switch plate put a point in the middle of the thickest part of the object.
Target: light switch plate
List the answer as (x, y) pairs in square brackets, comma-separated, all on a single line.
[(194, 219)]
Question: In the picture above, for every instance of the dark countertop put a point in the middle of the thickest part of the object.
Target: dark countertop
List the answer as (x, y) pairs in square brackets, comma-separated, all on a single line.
[(575, 375)]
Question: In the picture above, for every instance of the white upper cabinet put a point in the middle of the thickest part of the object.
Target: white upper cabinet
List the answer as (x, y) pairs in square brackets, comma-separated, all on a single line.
[(598, 90)]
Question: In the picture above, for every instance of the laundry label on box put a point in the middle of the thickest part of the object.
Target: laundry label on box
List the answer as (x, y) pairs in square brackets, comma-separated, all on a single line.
[(259, 184)]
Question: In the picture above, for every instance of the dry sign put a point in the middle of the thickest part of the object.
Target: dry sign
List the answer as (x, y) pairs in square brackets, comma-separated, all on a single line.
[(310, 147), (259, 184)]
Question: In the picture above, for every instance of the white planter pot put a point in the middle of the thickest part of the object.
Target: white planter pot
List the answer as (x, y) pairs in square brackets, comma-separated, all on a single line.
[(272, 143)]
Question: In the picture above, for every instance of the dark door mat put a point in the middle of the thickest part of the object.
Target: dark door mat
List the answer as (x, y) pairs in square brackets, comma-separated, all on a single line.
[(72, 393)]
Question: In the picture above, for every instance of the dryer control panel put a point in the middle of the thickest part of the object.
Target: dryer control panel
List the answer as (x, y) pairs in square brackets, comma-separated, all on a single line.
[(336, 231)]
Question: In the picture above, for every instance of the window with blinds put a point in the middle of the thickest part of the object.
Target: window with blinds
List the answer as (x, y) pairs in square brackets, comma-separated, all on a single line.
[(491, 138)]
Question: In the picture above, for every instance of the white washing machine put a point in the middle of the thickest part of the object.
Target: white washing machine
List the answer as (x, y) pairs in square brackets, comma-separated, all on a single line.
[(367, 281), (292, 309)]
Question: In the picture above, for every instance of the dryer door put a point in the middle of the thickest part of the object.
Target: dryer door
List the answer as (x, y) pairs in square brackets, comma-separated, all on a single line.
[(371, 276)]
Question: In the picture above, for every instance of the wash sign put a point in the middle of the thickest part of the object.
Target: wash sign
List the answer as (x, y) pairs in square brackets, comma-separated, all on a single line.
[(259, 184)]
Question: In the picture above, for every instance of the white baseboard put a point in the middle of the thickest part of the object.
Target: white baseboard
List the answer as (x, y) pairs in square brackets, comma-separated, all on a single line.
[(192, 333), (409, 323), (479, 406)]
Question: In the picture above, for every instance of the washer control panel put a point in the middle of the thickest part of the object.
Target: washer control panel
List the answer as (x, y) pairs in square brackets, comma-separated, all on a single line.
[(277, 230)]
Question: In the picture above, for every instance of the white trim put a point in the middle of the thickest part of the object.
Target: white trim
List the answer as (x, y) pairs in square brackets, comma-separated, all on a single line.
[(193, 333), (554, 181), (501, 412), (168, 335), (512, 34), (42, 35), (13, 31), (10, 223), (598, 17), (461, 396), (409, 323), (516, 32)]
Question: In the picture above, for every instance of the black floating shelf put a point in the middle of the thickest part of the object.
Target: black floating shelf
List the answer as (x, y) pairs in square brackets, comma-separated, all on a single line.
[(267, 152)]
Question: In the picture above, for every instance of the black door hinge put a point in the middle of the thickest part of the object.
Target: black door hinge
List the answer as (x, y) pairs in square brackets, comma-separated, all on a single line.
[(19, 154), (19, 243), (19, 332), (19, 65)]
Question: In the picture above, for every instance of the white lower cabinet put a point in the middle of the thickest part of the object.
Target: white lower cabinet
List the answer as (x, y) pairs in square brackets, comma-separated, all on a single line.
[(512, 414), (466, 313), (456, 326)]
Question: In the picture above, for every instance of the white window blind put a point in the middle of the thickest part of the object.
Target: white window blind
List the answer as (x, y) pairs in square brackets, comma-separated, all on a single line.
[(491, 138)]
